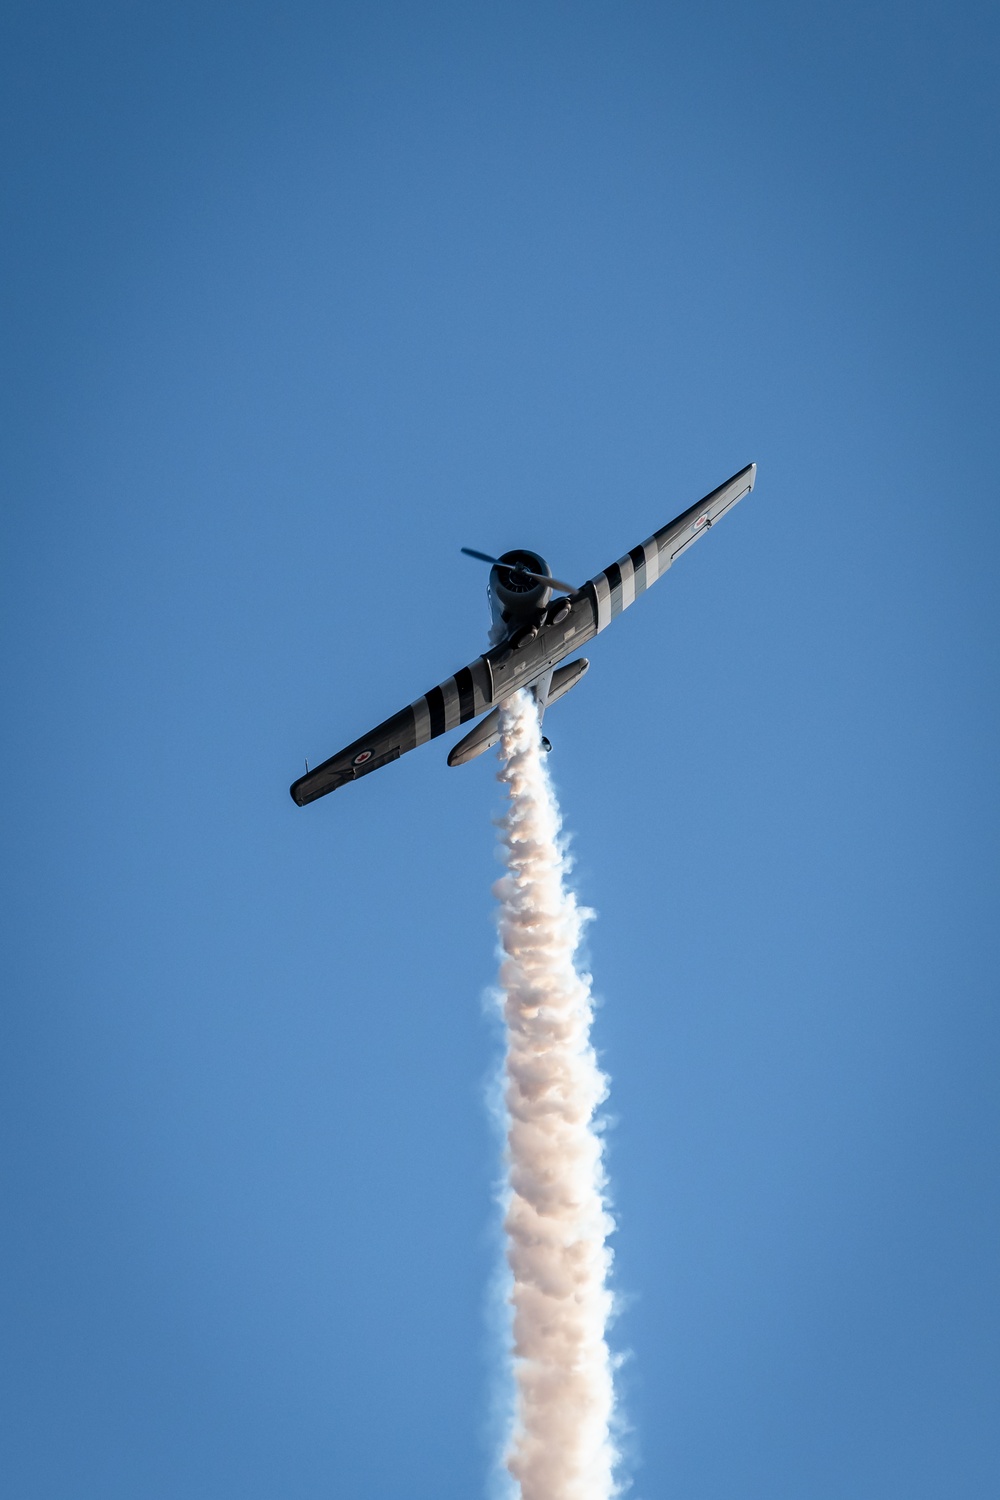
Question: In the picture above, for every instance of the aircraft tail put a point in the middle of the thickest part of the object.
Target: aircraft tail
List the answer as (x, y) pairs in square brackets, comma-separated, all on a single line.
[(487, 731)]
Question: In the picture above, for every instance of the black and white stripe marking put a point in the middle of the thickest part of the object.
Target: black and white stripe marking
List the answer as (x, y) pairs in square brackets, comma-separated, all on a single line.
[(621, 584), (456, 701)]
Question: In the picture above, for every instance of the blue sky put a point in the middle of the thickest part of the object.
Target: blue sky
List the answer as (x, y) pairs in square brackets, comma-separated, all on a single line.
[(297, 302)]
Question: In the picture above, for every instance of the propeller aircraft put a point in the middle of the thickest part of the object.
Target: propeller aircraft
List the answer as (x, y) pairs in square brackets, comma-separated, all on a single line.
[(531, 636)]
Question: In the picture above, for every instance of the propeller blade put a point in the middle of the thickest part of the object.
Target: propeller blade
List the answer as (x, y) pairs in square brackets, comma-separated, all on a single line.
[(552, 583)]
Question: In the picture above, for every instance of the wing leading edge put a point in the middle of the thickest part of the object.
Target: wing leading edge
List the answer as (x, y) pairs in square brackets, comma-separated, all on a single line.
[(461, 698), (622, 583), (491, 678)]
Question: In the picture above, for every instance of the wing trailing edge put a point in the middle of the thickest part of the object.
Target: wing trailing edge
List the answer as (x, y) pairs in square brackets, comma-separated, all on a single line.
[(622, 583)]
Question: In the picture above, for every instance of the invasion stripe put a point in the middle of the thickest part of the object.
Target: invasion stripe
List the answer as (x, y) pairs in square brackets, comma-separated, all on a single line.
[(652, 554), (449, 688), (466, 695), (614, 577), (421, 721), (485, 688), (603, 593), (628, 580), (435, 709), (638, 556)]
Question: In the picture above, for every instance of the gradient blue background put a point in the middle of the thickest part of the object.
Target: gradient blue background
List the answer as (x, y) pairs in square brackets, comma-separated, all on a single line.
[(297, 301)]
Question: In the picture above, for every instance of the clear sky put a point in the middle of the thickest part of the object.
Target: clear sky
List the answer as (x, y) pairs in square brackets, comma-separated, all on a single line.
[(298, 300)]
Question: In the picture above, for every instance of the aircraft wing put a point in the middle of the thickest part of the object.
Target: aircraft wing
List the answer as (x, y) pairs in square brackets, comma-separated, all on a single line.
[(463, 697), (621, 584), (600, 601), (480, 686)]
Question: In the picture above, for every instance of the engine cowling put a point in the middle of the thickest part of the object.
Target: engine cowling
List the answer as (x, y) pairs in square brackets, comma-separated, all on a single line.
[(514, 599)]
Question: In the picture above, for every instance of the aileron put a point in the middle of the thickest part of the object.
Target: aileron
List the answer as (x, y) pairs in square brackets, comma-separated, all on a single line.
[(621, 584)]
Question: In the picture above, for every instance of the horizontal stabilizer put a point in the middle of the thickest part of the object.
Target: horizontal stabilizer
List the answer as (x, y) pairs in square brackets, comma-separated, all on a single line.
[(487, 731), (564, 678), (483, 737)]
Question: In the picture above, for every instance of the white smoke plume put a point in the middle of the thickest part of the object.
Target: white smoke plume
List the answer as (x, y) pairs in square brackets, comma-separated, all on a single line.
[(560, 1446)]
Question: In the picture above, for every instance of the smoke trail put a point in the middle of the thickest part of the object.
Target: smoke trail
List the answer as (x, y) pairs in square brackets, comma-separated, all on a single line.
[(556, 1223)]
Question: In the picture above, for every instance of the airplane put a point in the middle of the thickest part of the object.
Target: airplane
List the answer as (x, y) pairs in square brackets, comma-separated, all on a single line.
[(531, 635)]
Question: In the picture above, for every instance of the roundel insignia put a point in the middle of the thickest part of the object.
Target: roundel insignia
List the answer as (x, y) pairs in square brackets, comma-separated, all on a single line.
[(701, 521), (363, 756)]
